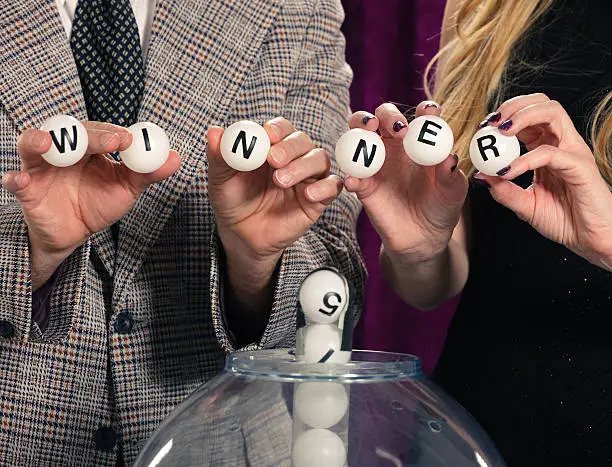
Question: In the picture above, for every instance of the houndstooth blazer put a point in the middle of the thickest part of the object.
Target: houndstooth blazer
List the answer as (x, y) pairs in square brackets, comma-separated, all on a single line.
[(209, 62)]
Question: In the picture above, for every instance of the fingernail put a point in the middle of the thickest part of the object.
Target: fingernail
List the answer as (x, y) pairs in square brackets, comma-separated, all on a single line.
[(277, 155), (483, 124), (378, 132), (16, 179), (506, 125), (283, 176), (39, 138), (367, 118), (312, 193), (105, 139), (276, 129), (399, 126), (430, 105), (503, 171), (495, 117)]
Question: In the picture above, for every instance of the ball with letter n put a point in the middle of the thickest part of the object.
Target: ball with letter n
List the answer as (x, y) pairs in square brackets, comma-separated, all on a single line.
[(245, 146), (360, 153)]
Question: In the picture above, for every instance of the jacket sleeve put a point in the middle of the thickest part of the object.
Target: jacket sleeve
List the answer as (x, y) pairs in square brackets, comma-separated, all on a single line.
[(317, 103)]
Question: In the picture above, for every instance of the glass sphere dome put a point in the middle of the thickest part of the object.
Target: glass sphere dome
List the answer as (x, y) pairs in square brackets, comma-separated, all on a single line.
[(268, 409)]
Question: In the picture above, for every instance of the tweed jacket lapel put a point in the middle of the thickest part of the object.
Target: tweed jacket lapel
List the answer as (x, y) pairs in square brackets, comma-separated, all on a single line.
[(199, 56), (39, 79)]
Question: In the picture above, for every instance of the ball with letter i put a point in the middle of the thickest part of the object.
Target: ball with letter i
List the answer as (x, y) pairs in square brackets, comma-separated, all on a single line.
[(69, 140), (245, 146), (491, 151), (149, 150), (429, 140), (360, 153), (323, 296)]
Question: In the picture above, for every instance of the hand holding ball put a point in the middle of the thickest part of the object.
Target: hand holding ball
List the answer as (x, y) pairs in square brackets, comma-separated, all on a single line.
[(245, 146), (429, 140), (69, 140), (149, 150), (360, 153), (491, 151)]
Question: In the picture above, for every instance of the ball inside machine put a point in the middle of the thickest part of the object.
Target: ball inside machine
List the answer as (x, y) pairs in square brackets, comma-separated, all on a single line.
[(301, 408)]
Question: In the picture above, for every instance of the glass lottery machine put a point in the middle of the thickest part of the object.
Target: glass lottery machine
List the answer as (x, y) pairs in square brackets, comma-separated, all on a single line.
[(324, 404)]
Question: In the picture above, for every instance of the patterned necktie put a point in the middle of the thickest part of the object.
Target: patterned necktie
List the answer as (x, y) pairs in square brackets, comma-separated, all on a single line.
[(106, 47)]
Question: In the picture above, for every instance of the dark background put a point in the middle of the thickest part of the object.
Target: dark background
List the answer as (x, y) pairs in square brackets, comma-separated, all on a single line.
[(389, 43)]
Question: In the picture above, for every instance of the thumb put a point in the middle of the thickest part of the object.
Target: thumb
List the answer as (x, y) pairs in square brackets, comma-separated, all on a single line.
[(143, 180), (451, 181), (218, 170)]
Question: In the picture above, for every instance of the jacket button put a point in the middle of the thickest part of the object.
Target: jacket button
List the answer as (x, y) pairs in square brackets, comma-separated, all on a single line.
[(124, 323), (105, 438)]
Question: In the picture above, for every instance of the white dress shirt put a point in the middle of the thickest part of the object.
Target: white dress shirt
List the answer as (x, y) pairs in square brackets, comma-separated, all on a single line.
[(144, 10)]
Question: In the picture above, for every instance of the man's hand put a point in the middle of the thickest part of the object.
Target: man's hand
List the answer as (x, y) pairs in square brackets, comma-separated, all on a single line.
[(62, 207), (260, 213)]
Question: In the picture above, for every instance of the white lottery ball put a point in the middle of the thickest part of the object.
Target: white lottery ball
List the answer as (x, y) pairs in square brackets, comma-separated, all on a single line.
[(318, 448), (320, 404), (69, 140), (318, 340), (491, 151), (360, 153), (245, 146), (149, 149), (429, 140), (323, 296)]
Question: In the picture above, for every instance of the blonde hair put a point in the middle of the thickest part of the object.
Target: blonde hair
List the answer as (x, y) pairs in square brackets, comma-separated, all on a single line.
[(472, 68)]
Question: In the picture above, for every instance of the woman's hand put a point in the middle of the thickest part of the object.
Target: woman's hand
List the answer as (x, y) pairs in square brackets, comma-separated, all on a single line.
[(413, 208), (569, 201)]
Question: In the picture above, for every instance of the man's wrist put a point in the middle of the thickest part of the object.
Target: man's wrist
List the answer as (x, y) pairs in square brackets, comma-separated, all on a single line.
[(43, 264)]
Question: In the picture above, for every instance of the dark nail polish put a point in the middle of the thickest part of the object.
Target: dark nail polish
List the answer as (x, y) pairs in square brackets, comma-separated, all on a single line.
[(503, 171), (430, 105), (483, 124), (494, 118), (366, 119), (398, 126), (378, 132), (453, 168), (481, 182), (506, 125)]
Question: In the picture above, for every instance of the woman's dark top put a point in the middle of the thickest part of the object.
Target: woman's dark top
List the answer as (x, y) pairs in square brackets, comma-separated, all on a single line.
[(529, 351)]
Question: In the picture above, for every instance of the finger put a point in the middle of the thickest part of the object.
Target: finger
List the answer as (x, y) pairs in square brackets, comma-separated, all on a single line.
[(290, 148), (362, 187), (315, 164), (549, 113), (451, 181), (16, 182), (278, 129), (571, 169), (512, 196), (102, 141), (324, 191), (392, 121), (428, 108), (125, 135), (140, 181), (218, 170), (511, 106), (31, 144), (364, 120)]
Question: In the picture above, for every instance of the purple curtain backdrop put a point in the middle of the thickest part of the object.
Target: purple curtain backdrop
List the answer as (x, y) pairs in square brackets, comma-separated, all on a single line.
[(389, 43)]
